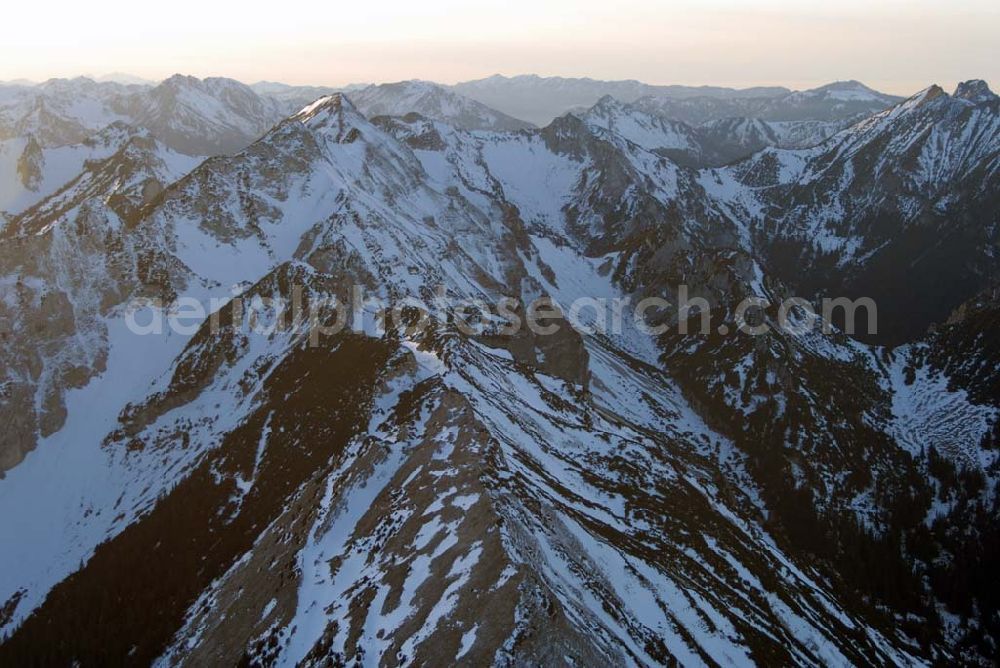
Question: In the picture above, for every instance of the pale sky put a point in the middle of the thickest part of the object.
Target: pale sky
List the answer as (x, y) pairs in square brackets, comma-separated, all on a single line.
[(893, 45)]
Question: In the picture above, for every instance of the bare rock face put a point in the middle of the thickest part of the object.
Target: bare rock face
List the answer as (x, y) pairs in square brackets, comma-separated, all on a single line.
[(37, 322), (70, 262), (976, 91), (30, 164)]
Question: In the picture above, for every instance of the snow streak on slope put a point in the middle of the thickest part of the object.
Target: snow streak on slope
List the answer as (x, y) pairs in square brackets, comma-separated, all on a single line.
[(929, 414)]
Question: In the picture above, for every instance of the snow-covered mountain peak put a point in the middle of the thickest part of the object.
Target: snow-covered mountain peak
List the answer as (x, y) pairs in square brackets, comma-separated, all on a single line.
[(57, 85), (912, 104), (185, 89), (610, 109), (178, 80), (844, 91), (412, 92), (926, 95), (654, 133), (327, 104), (195, 116), (848, 85), (206, 116), (608, 102), (186, 81), (974, 90), (331, 112), (124, 78), (433, 101)]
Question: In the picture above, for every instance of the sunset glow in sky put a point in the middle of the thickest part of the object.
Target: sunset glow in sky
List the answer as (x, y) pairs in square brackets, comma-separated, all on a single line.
[(895, 46)]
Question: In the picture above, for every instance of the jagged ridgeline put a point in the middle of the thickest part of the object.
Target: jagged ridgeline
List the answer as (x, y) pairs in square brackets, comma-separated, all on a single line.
[(301, 494)]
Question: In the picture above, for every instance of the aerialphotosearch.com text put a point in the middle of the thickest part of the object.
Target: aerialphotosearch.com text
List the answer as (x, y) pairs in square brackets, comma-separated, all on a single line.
[(358, 311)]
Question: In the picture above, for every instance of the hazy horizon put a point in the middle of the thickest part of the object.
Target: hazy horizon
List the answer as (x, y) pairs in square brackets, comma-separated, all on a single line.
[(117, 76), (896, 47)]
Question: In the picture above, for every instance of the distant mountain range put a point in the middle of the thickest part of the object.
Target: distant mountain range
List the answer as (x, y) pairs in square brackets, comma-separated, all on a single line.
[(539, 100)]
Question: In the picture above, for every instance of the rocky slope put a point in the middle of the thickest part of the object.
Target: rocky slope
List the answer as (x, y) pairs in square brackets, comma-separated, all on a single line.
[(711, 144), (191, 116), (914, 186), (66, 261), (837, 101), (50, 132), (30, 172), (61, 111)]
